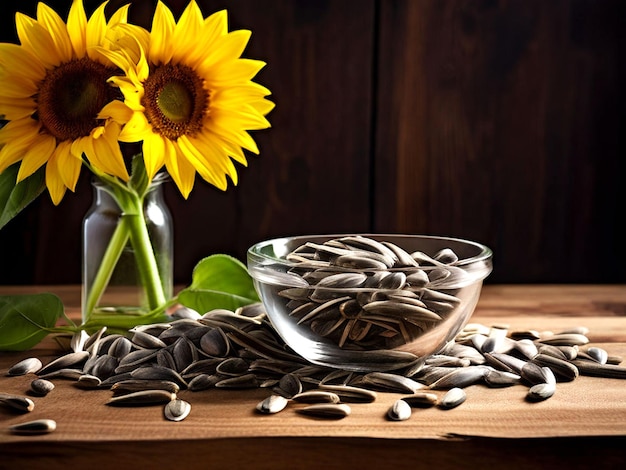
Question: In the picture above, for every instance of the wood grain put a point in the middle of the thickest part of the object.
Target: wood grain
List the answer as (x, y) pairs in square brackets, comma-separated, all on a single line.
[(584, 420), (494, 120)]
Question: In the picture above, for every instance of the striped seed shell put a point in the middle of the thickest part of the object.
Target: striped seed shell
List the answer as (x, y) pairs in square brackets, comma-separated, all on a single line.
[(600, 370), (272, 404), (421, 399), (598, 354), (143, 398), (41, 387), (460, 378), (38, 426), (399, 411), (565, 339), (350, 394), (326, 410), (453, 398), (316, 396), (25, 366), (70, 360), (137, 385), (562, 369), (176, 410), (388, 382), (541, 391), (88, 381), (17, 402)]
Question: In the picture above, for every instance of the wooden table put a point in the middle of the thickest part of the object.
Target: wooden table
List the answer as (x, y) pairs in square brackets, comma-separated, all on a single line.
[(582, 426)]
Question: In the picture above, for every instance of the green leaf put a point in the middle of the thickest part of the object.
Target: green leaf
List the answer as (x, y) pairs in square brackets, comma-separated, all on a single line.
[(27, 319), (219, 281), (15, 197)]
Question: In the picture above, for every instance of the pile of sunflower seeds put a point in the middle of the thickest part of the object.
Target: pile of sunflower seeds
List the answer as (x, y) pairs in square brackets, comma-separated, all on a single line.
[(236, 350), (364, 294)]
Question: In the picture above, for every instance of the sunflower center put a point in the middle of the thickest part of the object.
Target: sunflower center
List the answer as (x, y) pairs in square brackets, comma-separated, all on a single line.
[(71, 96), (175, 101)]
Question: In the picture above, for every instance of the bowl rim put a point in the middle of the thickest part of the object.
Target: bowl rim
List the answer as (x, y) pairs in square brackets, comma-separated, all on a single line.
[(485, 253)]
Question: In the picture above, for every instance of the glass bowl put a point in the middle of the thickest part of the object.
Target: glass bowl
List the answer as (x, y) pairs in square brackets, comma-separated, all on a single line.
[(368, 302)]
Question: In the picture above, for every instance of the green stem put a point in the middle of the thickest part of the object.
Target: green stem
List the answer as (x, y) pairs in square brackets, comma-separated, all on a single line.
[(107, 265), (131, 225), (144, 255)]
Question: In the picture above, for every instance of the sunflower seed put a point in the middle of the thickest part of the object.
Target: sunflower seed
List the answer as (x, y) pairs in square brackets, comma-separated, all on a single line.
[(388, 382), (241, 381), (88, 381), (453, 398), (316, 396), (350, 394), (272, 404), (498, 378), (176, 410), (17, 402), (541, 391), (41, 387), (203, 382), (158, 373), (25, 366), (600, 370), (39, 426), (326, 410), (563, 369), (137, 385), (147, 341), (69, 360), (421, 399), (289, 385), (532, 373), (565, 339), (142, 398), (598, 354), (399, 411), (460, 378)]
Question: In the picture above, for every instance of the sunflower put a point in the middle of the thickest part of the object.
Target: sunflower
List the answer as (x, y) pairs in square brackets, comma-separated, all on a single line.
[(57, 99), (192, 96)]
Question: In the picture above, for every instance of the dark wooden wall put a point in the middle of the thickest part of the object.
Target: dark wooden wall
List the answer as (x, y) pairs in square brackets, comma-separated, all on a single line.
[(501, 121)]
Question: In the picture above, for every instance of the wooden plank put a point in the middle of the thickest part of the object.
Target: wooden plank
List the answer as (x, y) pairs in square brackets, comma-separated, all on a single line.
[(494, 124), (586, 418)]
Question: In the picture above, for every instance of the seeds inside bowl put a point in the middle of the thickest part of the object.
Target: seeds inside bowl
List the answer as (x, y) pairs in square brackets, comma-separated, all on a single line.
[(364, 294)]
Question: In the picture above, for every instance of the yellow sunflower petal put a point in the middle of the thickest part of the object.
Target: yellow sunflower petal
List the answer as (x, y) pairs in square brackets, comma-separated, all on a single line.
[(77, 28), (96, 28), (54, 182), (153, 153), (136, 129), (117, 111), (109, 154), (120, 15), (10, 154), (177, 168), (36, 40), (17, 61), (199, 161), (13, 110), (240, 70), (36, 156), (18, 89), (161, 47), (21, 130), (57, 29), (69, 166), (216, 155), (189, 24), (227, 47)]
